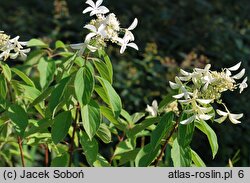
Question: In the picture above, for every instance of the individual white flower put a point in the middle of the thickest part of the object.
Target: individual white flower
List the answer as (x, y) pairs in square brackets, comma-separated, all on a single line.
[(152, 109), (125, 42), (95, 8), (234, 118), (128, 32), (95, 31), (243, 85)]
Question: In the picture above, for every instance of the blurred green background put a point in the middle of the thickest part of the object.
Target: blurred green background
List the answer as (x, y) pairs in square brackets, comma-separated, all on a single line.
[(171, 34)]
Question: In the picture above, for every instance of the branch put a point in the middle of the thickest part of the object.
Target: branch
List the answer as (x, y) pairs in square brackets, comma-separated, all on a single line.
[(165, 144), (21, 150)]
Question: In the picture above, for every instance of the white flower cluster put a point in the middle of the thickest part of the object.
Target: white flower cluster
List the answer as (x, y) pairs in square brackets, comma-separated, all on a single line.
[(105, 28), (11, 47), (198, 89)]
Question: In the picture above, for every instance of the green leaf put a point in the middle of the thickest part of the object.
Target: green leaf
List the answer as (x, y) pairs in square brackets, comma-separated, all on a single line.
[(6, 71), (101, 162), (185, 132), (114, 100), (60, 126), (23, 76), (162, 129), (39, 127), (90, 148), (107, 113), (124, 147), (37, 42), (104, 133), (103, 70), (59, 44), (91, 118), (108, 63), (60, 161), (58, 93), (101, 92), (211, 135), (146, 155), (128, 156), (3, 87), (197, 160), (181, 156), (84, 85), (19, 117), (47, 70), (142, 126), (42, 96)]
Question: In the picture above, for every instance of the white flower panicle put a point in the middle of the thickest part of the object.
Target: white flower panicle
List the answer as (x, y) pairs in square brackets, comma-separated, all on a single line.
[(198, 89), (105, 28), (12, 48)]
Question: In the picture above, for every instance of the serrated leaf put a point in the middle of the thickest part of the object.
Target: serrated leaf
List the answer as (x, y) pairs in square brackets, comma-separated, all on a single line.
[(19, 117), (84, 85), (181, 156), (91, 118), (90, 148), (37, 42), (60, 127), (211, 135), (104, 133), (114, 100)]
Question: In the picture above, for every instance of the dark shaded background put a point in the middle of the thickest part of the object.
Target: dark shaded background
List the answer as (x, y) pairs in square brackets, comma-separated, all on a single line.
[(170, 34)]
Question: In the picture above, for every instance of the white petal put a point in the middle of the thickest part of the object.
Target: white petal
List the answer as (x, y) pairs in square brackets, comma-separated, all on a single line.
[(189, 120), (187, 78), (243, 85), (221, 113), (205, 116), (91, 27), (88, 9), (233, 120), (76, 46), (205, 109), (185, 73), (91, 3), (103, 10), (98, 3), (155, 104), (133, 45), (239, 75), (174, 85), (236, 116), (235, 68), (123, 48), (134, 24), (178, 96), (92, 48), (89, 36), (185, 101), (204, 101)]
